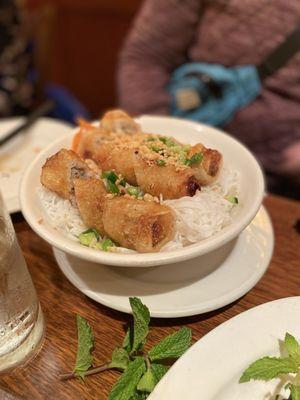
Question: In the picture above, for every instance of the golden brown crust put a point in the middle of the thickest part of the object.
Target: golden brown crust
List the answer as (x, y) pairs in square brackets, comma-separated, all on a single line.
[(90, 197), (169, 181), (208, 170), (119, 121), (139, 225), (114, 152), (60, 170)]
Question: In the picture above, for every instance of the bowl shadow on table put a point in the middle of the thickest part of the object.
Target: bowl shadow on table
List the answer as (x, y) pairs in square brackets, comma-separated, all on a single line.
[(150, 280)]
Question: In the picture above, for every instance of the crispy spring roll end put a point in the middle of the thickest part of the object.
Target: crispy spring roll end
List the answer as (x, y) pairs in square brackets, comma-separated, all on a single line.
[(192, 186), (60, 170), (208, 170)]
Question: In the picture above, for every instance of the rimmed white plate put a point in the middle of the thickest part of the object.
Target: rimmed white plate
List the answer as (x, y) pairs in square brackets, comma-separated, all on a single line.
[(235, 156), (187, 288), (211, 368), (18, 153)]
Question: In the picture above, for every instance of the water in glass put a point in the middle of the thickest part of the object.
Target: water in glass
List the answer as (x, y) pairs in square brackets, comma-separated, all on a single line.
[(21, 318)]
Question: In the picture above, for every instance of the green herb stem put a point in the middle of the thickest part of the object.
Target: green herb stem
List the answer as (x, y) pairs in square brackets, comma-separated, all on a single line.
[(92, 371), (147, 361)]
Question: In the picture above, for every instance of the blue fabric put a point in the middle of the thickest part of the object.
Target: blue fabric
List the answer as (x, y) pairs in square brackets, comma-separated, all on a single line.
[(240, 86), (67, 107)]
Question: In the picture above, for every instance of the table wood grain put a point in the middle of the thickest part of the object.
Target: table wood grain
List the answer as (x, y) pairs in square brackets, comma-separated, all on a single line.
[(61, 301)]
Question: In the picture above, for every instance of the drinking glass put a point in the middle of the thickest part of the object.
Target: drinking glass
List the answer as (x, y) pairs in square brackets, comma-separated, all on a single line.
[(21, 317)]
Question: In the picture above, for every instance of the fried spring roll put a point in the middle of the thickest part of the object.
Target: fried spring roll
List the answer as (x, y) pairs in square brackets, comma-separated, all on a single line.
[(90, 197), (208, 170), (110, 154), (119, 121), (60, 170), (137, 224), (170, 181)]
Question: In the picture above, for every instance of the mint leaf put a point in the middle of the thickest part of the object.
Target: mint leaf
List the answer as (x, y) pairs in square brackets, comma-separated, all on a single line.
[(147, 382), (295, 392), (139, 396), (125, 387), (84, 358), (159, 371), (141, 317), (173, 346), (268, 368), (127, 342), (151, 377), (119, 359), (293, 347)]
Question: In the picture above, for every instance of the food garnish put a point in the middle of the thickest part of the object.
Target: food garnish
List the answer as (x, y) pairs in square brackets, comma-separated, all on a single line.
[(110, 176), (195, 159), (232, 199), (112, 187), (286, 367), (141, 370), (134, 191), (106, 244), (84, 358), (160, 163), (91, 238)]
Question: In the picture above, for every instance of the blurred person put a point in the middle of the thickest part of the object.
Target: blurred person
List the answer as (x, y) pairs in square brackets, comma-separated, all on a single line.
[(167, 34), (16, 90)]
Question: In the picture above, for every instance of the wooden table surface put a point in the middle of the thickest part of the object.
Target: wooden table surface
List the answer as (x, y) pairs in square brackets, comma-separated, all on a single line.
[(60, 301)]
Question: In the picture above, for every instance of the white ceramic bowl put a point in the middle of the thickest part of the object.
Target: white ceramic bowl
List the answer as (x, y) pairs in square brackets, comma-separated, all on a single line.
[(234, 154)]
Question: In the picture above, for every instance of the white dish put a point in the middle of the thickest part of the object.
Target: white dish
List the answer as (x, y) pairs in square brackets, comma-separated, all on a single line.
[(211, 368), (18, 153), (187, 288), (235, 155)]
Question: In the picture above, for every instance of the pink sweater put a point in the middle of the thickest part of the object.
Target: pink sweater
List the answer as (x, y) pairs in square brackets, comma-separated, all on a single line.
[(167, 33)]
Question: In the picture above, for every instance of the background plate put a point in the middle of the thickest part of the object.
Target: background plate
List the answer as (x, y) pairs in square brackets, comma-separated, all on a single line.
[(211, 368), (187, 288), (16, 154)]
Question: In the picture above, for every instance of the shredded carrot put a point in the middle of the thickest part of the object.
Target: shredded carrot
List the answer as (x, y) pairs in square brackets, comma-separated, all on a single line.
[(77, 138), (84, 124)]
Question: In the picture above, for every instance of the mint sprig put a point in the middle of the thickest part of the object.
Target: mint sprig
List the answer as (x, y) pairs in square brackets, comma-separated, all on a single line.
[(141, 319), (141, 370), (119, 359), (84, 358), (125, 387), (173, 346), (295, 392), (268, 368)]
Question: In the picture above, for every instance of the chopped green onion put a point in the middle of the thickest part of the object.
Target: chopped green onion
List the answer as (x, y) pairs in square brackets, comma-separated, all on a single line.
[(160, 163), (195, 159), (123, 182), (163, 139), (232, 199), (88, 237), (182, 158), (176, 149), (151, 139), (134, 191), (112, 187), (186, 148), (167, 141), (110, 176), (106, 244), (155, 148)]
